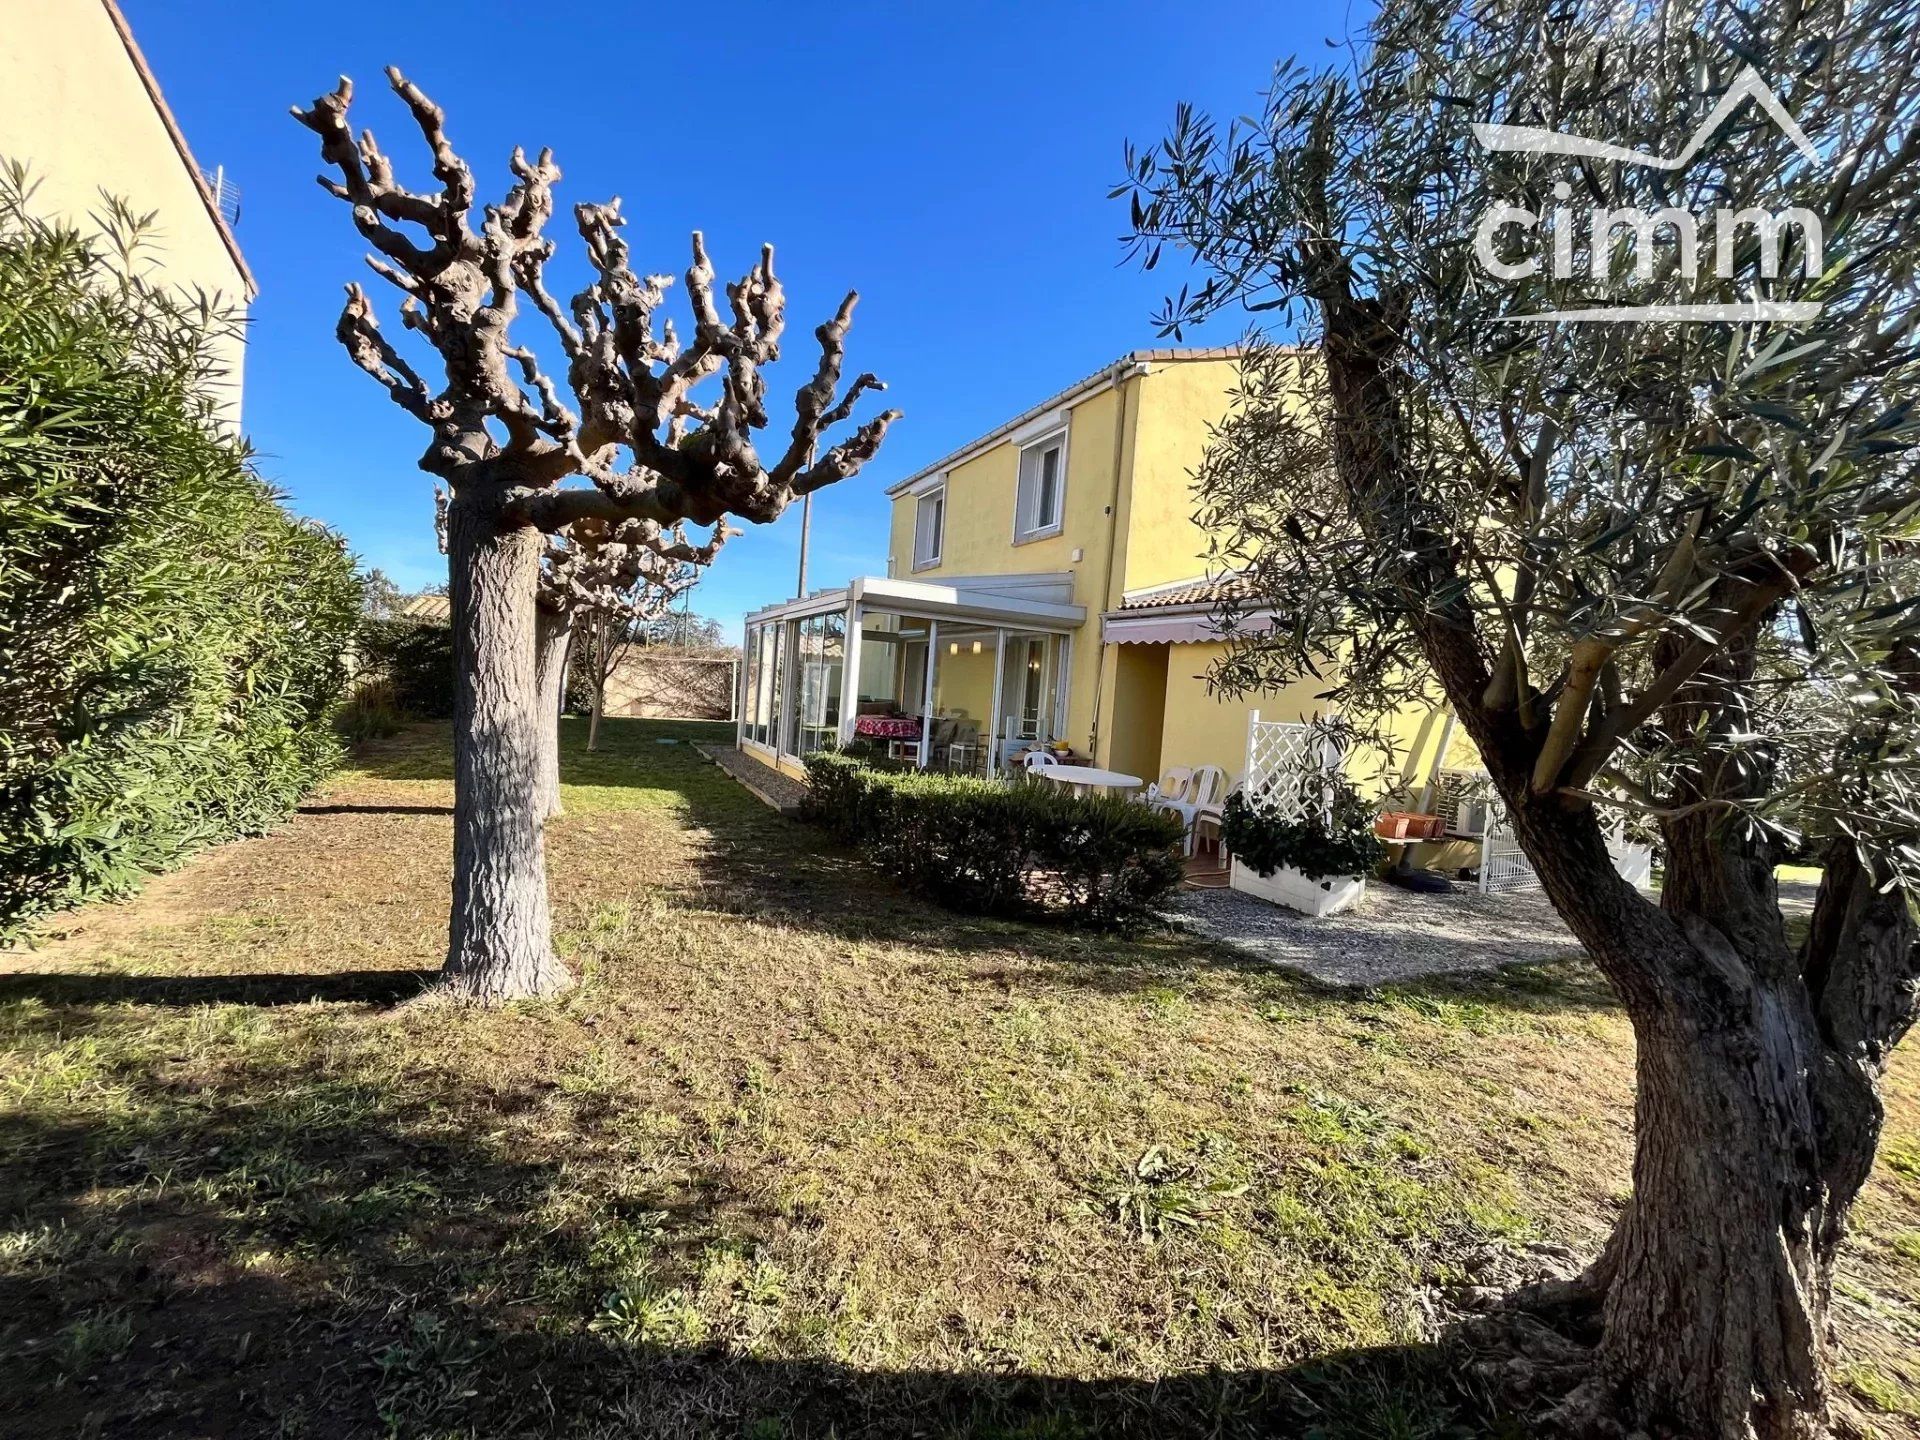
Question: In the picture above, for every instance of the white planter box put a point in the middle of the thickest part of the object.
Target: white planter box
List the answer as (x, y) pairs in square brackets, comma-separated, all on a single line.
[(1288, 887)]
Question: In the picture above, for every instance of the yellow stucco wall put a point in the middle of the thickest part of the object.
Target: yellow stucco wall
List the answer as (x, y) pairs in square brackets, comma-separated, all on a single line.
[(1137, 695), (1200, 728), (1178, 404), (965, 681), (74, 108), (979, 535)]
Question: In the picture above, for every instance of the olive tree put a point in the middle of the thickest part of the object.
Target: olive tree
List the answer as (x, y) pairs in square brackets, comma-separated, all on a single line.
[(507, 444), (1659, 560)]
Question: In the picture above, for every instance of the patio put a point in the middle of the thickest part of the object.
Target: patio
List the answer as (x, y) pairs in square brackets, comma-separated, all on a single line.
[(958, 677)]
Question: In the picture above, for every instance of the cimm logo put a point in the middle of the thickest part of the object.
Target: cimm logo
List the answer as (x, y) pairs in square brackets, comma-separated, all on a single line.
[(1588, 233)]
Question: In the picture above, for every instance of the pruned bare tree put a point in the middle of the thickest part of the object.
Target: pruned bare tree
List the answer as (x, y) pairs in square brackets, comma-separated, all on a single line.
[(594, 586), (507, 444)]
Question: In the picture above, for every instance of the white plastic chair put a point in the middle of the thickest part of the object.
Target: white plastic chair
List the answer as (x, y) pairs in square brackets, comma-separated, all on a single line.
[(1038, 760), (1205, 790), (1214, 816), (1170, 786)]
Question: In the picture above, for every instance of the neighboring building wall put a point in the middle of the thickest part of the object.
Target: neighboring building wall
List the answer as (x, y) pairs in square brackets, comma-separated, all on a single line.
[(674, 687), (77, 109)]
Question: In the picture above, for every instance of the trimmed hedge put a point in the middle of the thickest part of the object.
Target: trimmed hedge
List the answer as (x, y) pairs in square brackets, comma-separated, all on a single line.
[(170, 636), (1025, 850)]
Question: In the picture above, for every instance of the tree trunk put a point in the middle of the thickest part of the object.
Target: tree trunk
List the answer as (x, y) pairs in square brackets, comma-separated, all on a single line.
[(500, 941), (553, 639), (1757, 1102), (1716, 1316), (599, 687), (1752, 1138)]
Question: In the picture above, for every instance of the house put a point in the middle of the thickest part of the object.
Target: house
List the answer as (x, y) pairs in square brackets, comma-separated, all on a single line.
[(1045, 582), (82, 109)]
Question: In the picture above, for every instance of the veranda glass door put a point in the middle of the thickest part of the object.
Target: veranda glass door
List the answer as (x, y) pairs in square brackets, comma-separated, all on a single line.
[(1030, 683)]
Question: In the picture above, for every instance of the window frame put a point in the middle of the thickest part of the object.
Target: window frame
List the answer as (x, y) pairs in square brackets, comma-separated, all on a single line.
[(1026, 500), (922, 561)]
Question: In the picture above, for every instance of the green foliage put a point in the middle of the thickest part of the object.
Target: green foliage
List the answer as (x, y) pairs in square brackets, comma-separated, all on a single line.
[(412, 659), (1336, 841), (1025, 849), (370, 712), (170, 636), (1590, 514)]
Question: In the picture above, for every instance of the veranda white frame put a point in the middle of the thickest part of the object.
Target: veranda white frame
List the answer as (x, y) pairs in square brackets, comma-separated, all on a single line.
[(935, 603)]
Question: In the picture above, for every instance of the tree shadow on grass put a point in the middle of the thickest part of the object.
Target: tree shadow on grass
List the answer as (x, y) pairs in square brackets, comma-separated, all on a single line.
[(284, 1249), (375, 810), (68, 988)]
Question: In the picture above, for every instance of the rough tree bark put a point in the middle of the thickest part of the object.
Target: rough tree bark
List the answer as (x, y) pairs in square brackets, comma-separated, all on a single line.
[(599, 701), (505, 443), (499, 942), (1757, 1105)]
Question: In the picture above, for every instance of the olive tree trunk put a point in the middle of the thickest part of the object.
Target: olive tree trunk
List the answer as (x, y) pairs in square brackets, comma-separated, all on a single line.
[(499, 944), (1755, 1126), (553, 640), (1757, 1106)]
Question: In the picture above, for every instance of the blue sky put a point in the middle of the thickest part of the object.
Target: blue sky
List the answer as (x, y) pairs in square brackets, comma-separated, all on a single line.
[(949, 161)]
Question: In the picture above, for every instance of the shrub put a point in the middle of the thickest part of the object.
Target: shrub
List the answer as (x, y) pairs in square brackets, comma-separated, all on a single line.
[(1335, 841), (370, 712), (411, 659), (170, 636), (1023, 850)]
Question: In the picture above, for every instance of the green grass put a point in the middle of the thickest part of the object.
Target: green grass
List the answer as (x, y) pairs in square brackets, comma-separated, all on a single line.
[(798, 1157)]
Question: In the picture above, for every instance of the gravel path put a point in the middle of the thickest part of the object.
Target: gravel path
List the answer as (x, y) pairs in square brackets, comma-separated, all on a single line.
[(1390, 935), (781, 792)]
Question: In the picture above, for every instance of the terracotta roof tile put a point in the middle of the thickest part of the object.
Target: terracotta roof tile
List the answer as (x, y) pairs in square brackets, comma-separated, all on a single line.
[(1205, 590)]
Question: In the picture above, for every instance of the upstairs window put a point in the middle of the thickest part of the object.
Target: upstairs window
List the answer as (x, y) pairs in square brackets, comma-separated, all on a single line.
[(929, 528), (1043, 483)]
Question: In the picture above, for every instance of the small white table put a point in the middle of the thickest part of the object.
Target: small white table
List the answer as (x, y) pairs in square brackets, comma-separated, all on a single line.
[(1087, 775)]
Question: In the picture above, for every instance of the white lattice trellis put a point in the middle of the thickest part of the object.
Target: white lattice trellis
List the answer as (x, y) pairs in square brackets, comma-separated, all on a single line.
[(1504, 867), (1287, 765)]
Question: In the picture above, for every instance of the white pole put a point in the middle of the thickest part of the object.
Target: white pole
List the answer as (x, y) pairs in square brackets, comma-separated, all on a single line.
[(926, 693), (993, 720), (850, 673)]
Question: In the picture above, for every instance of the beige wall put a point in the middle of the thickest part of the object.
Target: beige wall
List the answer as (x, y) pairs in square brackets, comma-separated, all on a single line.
[(673, 686), (74, 107)]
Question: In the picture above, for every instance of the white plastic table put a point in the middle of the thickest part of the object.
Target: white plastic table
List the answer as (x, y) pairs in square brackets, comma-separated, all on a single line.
[(1088, 776)]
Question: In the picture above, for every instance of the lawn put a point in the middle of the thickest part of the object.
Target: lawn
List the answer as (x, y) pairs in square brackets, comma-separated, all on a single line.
[(799, 1157)]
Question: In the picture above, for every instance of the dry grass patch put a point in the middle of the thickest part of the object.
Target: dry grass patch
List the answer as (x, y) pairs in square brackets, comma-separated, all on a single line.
[(800, 1156)]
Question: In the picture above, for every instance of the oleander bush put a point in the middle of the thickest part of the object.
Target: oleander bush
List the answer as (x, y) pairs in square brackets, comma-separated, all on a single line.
[(1025, 849), (171, 638)]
